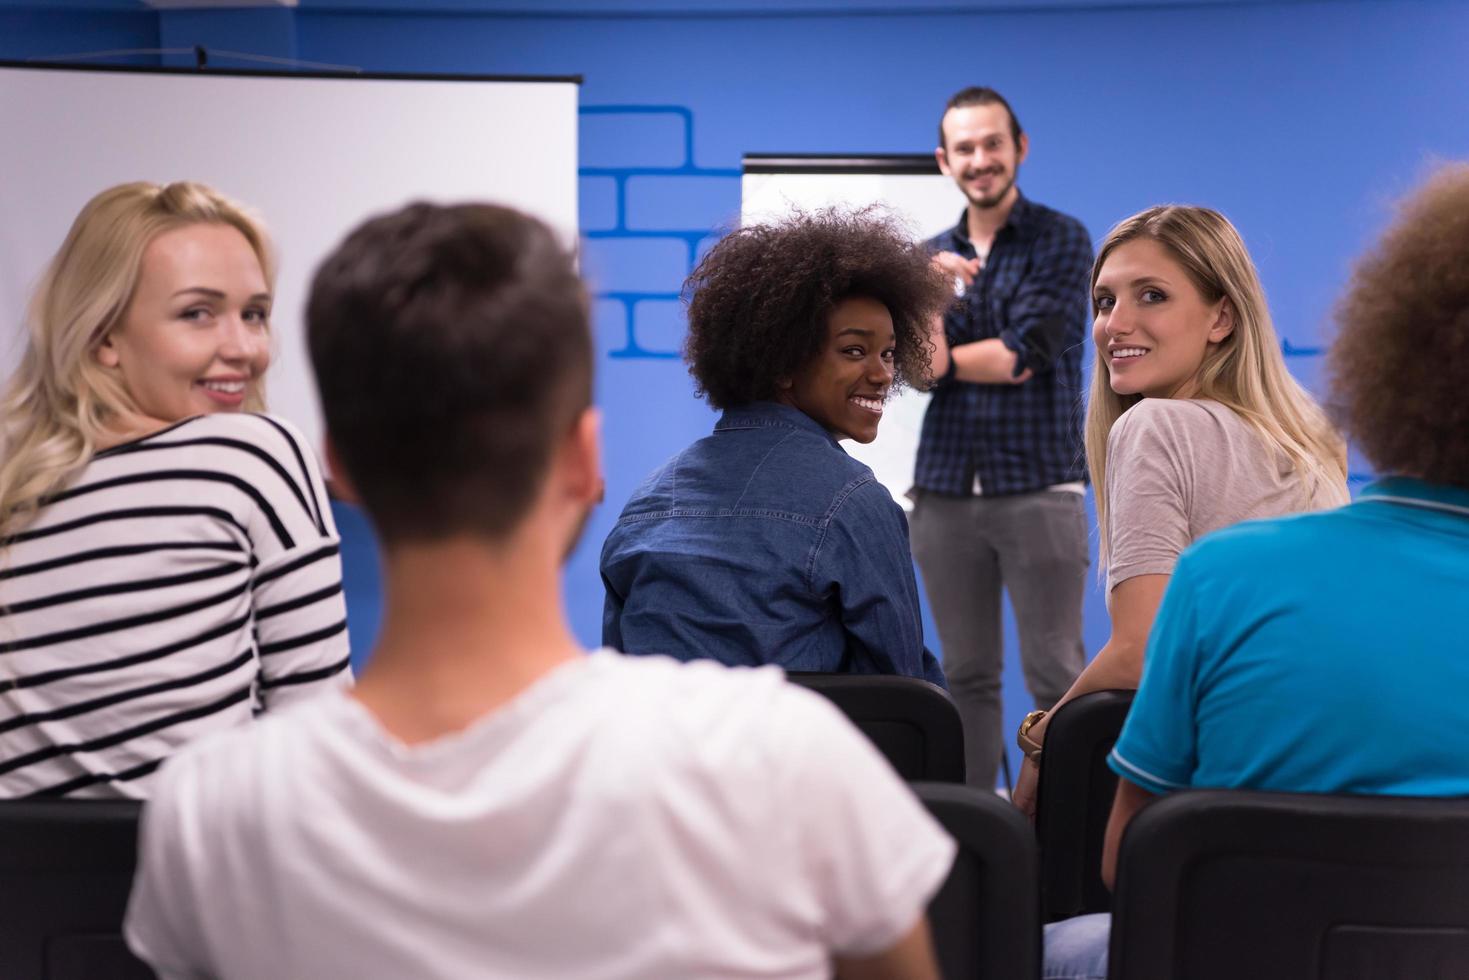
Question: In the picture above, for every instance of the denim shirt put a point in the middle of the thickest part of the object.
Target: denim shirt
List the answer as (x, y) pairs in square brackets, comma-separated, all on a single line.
[(766, 543)]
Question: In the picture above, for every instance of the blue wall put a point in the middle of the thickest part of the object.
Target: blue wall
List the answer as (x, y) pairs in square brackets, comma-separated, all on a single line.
[(40, 35), (1300, 120)]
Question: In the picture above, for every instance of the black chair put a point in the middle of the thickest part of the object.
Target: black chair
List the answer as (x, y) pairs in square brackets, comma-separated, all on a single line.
[(66, 867), (985, 918), (913, 723), (1214, 884), (1074, 800)]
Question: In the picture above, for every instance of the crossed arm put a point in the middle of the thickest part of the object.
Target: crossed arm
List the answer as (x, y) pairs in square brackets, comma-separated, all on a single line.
[(1041, 313), (979, 361)]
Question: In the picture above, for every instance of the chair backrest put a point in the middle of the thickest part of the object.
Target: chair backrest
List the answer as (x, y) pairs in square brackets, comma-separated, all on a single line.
[(1214, 884), (66, 867), (985, 918), (1074, 800), (913, 723)]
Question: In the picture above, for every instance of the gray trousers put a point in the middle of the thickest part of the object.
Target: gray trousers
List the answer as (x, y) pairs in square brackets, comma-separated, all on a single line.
[(1033, 545)]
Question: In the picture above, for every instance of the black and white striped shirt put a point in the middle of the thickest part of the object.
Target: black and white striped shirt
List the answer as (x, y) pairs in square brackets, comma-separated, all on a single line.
[(181, 583)]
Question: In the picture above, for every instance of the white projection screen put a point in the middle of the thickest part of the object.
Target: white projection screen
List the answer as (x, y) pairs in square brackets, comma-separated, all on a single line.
[(313, 154), (912, 187)]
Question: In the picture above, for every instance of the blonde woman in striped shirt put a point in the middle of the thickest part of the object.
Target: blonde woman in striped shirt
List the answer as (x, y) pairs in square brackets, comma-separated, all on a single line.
[(168, 562)]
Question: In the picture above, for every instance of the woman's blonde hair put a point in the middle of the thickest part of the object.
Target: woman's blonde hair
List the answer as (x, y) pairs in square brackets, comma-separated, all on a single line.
[(60, 400), (1245, 371)]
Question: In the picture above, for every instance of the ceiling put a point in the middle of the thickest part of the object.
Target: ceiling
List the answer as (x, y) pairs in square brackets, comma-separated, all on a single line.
[(675, 8)]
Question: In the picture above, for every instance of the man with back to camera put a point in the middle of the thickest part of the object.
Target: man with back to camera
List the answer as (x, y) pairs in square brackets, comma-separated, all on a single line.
[(492, 800), (1000, 478)]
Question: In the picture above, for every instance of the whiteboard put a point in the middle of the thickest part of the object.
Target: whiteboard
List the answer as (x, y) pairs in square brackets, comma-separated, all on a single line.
[(314, 155), (912, 187)]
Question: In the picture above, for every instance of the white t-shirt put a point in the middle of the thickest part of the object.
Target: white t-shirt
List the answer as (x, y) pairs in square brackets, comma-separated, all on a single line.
[(623, 817)]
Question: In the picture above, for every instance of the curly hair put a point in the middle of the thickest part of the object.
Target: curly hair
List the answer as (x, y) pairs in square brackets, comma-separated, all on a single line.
[(1400, 362), (759, 300)]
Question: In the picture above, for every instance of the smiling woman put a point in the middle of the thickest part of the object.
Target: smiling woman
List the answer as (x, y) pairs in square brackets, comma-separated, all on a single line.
[(1193, 424), (195, 337), (844, 386), (765, 542), (168, 564)]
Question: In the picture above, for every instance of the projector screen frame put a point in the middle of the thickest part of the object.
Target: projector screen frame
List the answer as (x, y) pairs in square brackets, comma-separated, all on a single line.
[(372, 76), (923, 164)]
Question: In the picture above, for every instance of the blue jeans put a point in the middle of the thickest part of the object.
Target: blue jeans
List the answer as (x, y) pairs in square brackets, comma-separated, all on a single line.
[(1076, 949)]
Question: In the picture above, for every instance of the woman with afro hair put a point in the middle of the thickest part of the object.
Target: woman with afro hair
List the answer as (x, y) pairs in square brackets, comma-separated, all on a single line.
[(764, 542)]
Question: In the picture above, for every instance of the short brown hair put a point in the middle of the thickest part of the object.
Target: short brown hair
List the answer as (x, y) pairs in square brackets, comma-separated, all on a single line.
[(979, 95), (1400, 363), (451, 347)]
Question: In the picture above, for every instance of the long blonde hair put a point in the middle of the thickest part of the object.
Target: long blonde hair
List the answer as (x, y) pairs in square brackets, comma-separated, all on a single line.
[(59, 402), (1245, 371)]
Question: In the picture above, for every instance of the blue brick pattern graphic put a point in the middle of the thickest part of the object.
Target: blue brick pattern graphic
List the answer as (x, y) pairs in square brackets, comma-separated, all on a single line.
[(649, 213), (645, 153)]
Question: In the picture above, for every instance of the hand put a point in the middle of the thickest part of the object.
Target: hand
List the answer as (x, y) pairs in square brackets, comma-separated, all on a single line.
[(958, 266), (1026, 785), (1022, 377)]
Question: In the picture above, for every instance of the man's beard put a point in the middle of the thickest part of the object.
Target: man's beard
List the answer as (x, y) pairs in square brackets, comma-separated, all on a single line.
[(992, 200)]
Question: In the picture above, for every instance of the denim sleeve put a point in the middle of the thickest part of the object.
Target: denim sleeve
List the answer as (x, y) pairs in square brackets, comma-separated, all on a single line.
[(865, 562), (1048, 311), (611, 617), (612, 602), (1158, 747)]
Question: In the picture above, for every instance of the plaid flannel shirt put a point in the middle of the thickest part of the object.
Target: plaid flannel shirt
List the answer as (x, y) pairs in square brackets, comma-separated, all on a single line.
[(1032, 295)]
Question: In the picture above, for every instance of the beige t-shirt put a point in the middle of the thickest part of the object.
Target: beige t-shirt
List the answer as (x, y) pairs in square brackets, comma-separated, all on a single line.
[(1180, 468)]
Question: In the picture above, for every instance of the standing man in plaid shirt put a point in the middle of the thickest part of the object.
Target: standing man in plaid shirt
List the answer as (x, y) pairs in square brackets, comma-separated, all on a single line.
[(1000, 478)]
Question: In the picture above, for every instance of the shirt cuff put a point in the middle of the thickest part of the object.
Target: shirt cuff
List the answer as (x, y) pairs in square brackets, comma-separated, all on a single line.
[(1012, 343), (1134, 773), (1133, 567)]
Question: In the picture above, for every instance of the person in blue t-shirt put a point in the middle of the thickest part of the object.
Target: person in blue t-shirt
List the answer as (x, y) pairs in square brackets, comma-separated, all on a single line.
[(1320, 653), (765, 542)]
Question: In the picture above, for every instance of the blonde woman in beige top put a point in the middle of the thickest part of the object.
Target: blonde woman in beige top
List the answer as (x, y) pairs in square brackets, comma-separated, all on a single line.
[(1193, 423)]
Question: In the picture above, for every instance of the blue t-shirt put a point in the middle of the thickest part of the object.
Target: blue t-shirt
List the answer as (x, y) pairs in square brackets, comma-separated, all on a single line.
[(1318, 653), (766, 543)]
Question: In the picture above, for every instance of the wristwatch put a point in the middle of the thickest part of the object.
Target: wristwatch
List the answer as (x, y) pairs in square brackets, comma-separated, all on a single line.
[(1028, 745)]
